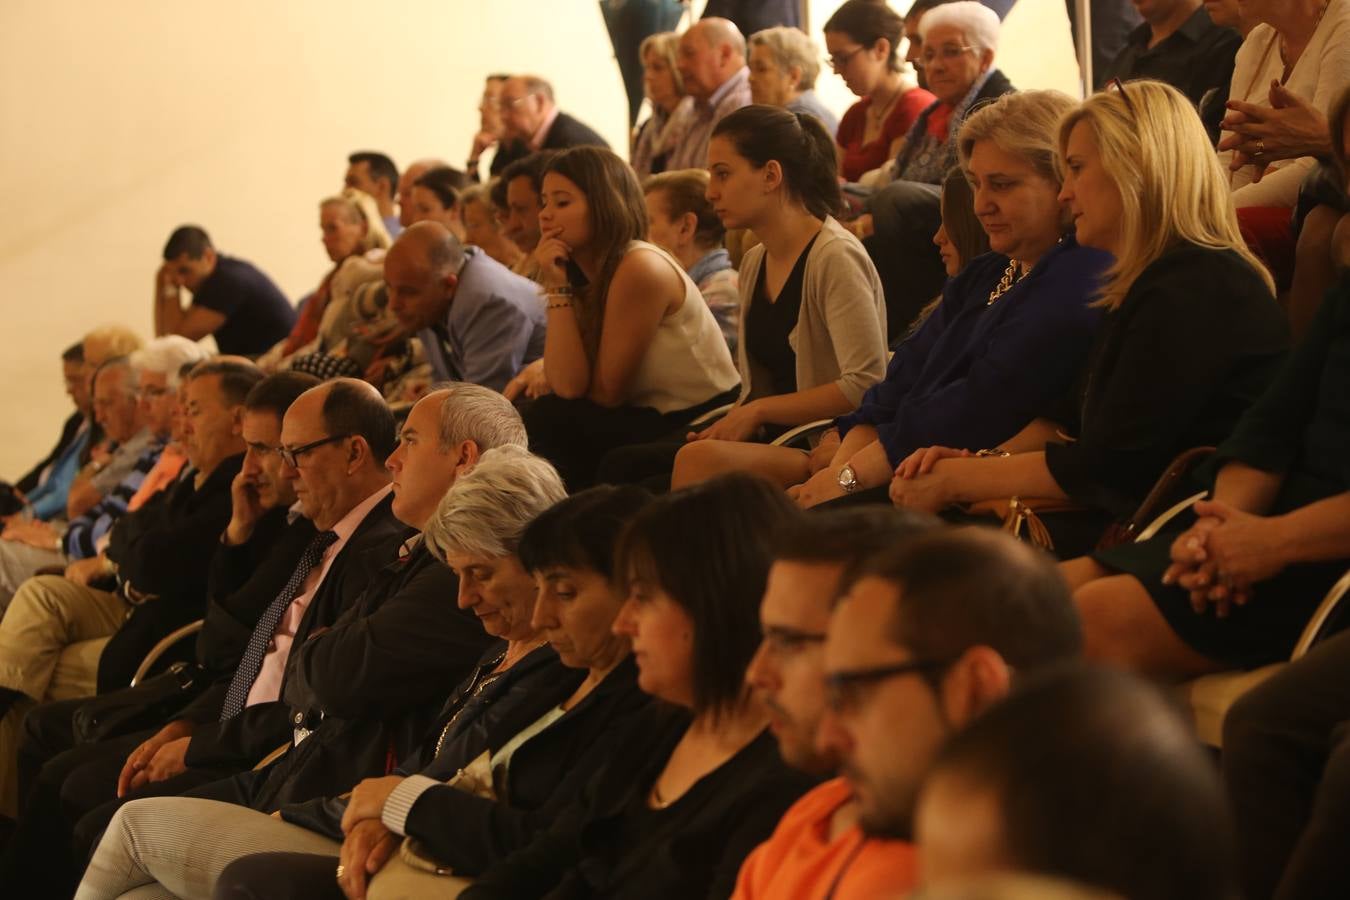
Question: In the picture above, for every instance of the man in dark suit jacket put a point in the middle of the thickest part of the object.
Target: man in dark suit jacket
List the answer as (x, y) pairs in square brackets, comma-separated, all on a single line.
[(533, 122)]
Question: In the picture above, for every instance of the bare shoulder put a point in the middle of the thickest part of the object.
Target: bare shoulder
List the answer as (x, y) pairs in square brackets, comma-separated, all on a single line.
[(646, 276)]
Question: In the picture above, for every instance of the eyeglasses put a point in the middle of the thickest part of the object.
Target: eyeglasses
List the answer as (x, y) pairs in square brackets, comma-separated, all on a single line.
[(291, 455), (152, 393), (1117, 86), (838, 62), (785, 642), (511, 104), (948, 52), (843, 690)]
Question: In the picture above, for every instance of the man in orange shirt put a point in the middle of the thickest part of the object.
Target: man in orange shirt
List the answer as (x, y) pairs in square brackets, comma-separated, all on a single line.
[(927, 635)]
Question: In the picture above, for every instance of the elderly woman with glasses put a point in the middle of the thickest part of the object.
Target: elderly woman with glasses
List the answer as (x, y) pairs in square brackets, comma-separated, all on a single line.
[(959, 42)]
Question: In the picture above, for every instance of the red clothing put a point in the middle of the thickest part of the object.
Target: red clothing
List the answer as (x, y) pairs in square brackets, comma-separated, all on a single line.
[(860, 157), (800, 861)]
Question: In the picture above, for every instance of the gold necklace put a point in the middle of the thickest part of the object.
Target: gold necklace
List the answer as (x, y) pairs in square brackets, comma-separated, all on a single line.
[(1011, 275)]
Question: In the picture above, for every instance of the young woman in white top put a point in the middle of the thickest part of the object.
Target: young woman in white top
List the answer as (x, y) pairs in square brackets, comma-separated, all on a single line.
[(633, 351)]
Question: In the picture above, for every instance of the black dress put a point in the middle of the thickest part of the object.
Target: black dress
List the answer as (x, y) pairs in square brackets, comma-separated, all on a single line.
[(1300, 428)]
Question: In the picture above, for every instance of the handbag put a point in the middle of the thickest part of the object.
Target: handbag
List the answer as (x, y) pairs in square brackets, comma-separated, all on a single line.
[(1021, 516), (132, 709), (475, 779)]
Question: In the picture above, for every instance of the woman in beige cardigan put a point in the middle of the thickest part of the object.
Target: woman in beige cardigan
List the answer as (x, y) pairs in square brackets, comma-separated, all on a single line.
[(813, 323)]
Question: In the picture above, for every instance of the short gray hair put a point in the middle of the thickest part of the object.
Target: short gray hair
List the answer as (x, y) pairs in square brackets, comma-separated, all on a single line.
[(167, 356), (486, 510), (472, 412), (791, 47), (977, 22)]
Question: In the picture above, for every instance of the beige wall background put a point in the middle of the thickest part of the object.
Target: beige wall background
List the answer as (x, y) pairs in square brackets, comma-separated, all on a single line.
[(123, 120)]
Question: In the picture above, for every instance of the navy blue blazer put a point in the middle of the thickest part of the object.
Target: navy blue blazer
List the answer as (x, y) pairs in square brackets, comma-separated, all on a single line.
[(975, 373)]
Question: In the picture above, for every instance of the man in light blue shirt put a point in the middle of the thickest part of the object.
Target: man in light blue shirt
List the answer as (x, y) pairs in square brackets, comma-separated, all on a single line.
[(478, 321)]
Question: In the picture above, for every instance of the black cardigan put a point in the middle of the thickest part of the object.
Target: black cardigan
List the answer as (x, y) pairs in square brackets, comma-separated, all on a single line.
[(546, 774), (1195, 341), (609, 844)]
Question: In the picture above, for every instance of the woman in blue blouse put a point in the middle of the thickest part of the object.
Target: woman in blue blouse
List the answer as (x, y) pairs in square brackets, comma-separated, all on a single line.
[(1012, 330)]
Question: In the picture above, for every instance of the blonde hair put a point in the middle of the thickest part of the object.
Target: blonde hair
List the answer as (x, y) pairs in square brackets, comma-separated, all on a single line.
[(665, 45), (1172, 187), (1022, 125), (362, 207), (107, 342), (791, 47)]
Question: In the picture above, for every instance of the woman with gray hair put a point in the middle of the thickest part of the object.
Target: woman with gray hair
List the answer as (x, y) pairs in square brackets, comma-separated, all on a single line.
[(476, 530), (664, 86), (784, 64)]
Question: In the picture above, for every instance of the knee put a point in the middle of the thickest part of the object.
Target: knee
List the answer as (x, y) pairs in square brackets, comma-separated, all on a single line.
[(696, 462), (1107, 636)]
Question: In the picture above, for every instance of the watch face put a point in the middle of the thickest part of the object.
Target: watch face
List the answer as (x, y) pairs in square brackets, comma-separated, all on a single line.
[(847, 479)]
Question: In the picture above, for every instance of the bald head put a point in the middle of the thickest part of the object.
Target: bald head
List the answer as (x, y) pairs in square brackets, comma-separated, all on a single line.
[(526, 102), (421, 272), (405, 185), (711, 52)]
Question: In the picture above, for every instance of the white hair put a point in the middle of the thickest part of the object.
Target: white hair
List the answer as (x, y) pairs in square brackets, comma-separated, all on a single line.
[(791, 47), (977, 22), (167, 356), (472, 412), (486, 510)]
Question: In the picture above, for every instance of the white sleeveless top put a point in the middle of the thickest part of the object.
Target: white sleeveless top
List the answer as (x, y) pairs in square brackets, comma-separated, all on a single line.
[(688, 362)]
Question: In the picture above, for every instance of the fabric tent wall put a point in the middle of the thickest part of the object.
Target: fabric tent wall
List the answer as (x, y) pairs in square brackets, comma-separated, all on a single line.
[(124, 120)]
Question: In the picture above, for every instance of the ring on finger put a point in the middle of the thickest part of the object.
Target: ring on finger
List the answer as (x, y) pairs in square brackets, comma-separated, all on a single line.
[(341, 871), (1260, 148)]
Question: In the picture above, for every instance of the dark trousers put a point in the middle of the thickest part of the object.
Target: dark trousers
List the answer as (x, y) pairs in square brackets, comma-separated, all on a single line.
[(629, 24), (279, 876), (906, 215), (1286, 762), (145, 628)]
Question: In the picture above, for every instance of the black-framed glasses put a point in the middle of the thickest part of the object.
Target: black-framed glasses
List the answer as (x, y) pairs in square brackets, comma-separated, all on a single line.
[(837, 63), (844, 689), (291, 455), (785, 642), (1118, 86)]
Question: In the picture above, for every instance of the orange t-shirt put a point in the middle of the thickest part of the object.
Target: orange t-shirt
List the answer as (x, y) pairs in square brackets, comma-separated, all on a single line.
[(801, 862)]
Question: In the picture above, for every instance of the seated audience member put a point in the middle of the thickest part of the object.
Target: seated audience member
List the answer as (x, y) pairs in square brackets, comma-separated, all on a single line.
[(699, 782), (1158, 380), (435, 198), (1305, 47), (231, 299), (353, 236), (1179, 44), (813, 320), (960, 40), (63, 460), (863, 42), (259, 550), (817, 850), (927, 635), (1075, 766), (409, 176), (632, 351), (784, 64), (482, 228), (517, 198), (490, 129), (914, 40), (711, 62), (531, 121), (161, 553), (655, 138), (80, 542), (1292, 127), (1011, 333), (478, 321), (375, 622), (28, 545), (681, 221), (544, 764), (375, 175), (473, 530), (1284, 756)]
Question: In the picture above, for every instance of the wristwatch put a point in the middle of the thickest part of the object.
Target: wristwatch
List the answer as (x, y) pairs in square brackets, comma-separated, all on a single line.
[(848, 479)]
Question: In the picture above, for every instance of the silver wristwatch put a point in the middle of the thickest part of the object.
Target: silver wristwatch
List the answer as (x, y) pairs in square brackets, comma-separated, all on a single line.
[(848, 479)]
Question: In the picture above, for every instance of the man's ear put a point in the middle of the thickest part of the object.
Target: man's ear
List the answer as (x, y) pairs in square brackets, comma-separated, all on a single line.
[(358, 453), (237, 420), (465, 457), (451, 282), (209, 257), (976, 681)]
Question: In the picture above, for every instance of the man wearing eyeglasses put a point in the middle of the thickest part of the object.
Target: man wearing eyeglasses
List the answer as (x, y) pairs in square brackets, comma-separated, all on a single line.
[(817, 849), (531, 121), (925, 638)]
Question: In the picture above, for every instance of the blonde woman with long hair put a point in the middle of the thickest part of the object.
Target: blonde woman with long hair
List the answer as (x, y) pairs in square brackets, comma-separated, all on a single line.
[(1191, 334)]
